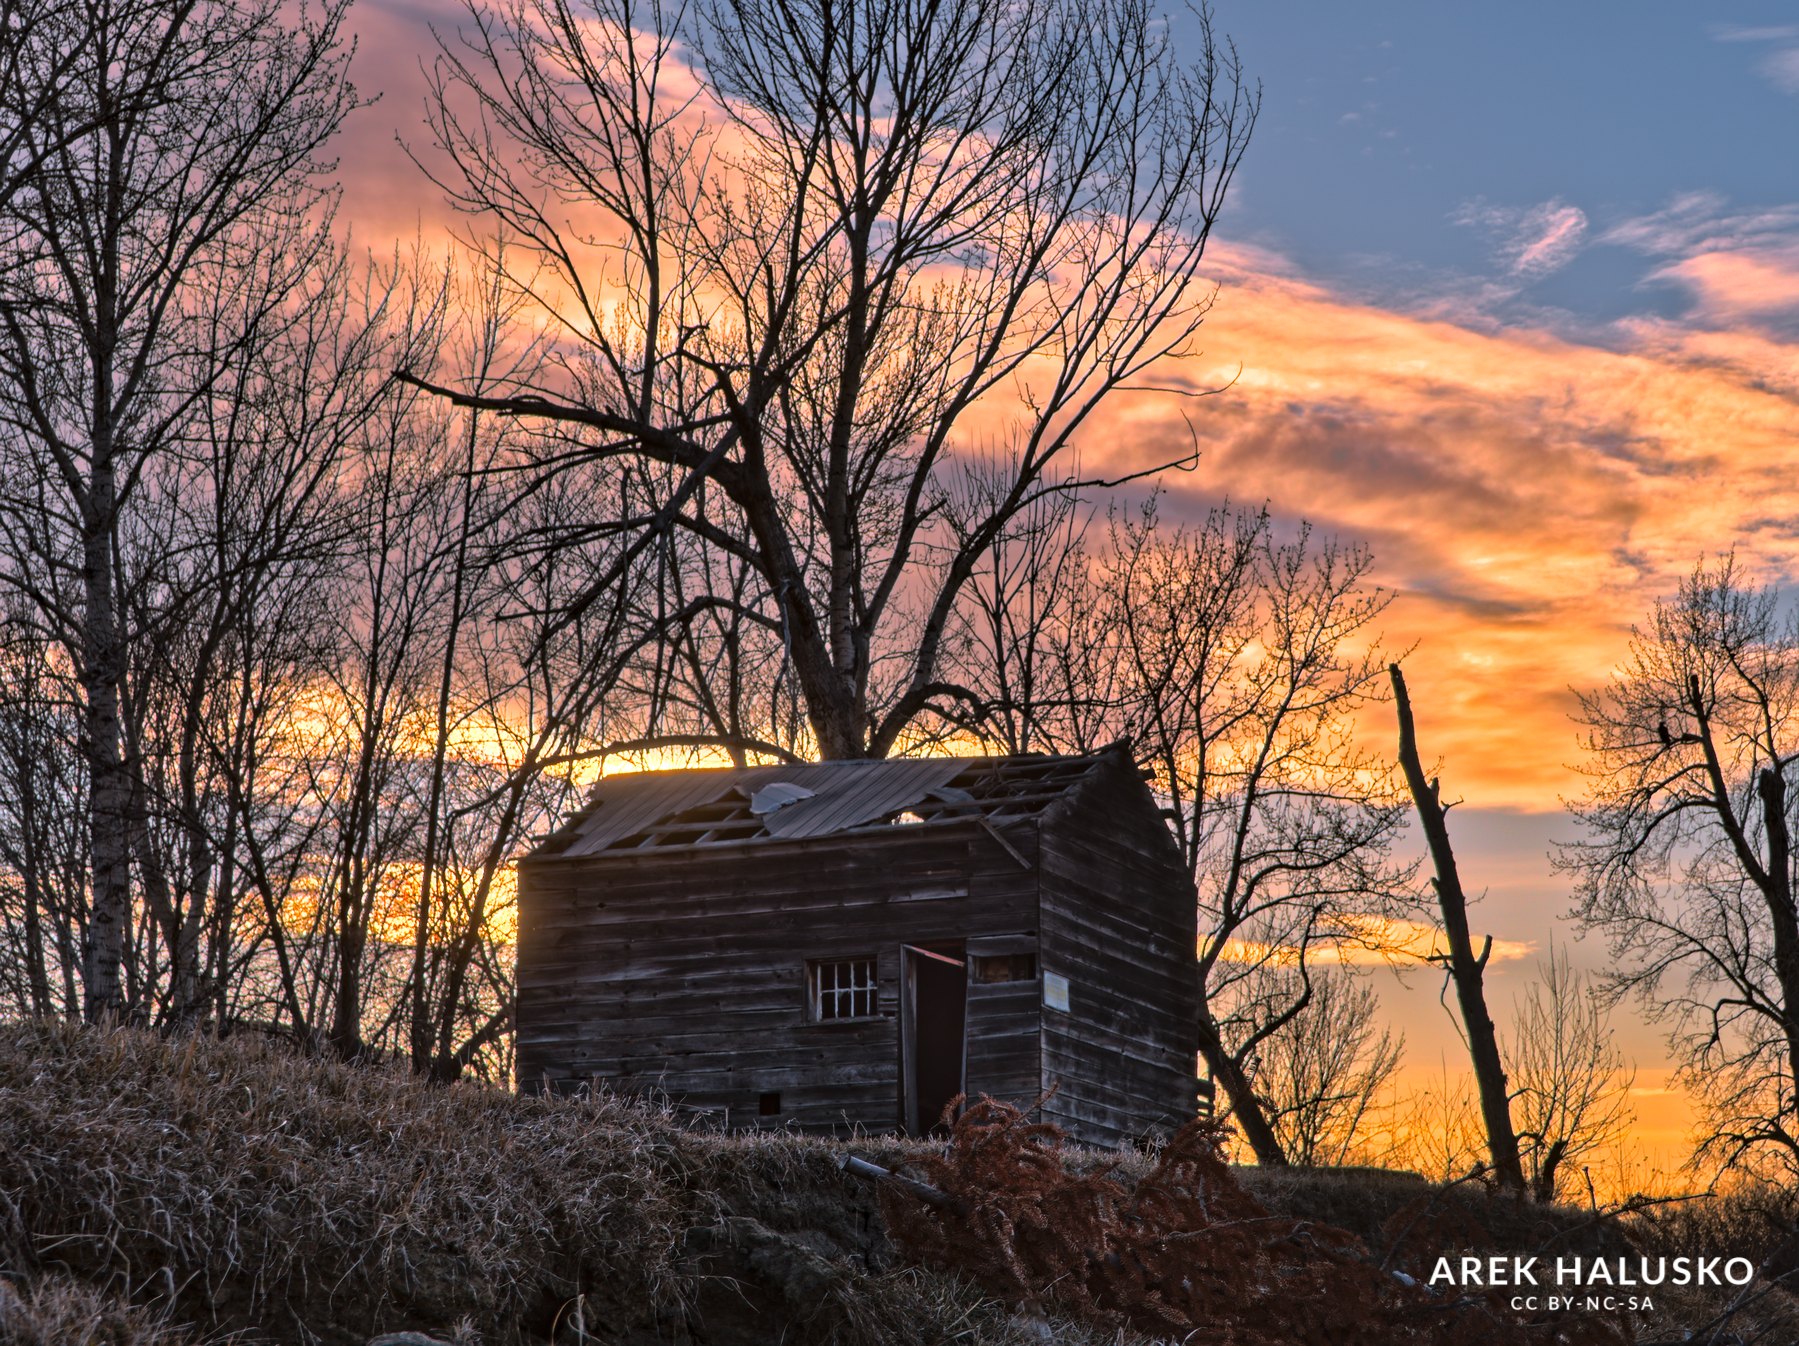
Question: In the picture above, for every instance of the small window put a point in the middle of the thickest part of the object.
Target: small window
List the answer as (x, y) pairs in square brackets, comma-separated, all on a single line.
[(842, 989), (768, 1105), (1000, 967)]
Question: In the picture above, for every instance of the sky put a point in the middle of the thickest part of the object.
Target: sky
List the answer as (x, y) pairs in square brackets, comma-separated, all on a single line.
[(1509, 293), (1411, 152), (1515, 292)]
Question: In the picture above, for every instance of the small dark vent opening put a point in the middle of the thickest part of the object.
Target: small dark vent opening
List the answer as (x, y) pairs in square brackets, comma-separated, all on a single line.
[(994, 968), (768, 1105)]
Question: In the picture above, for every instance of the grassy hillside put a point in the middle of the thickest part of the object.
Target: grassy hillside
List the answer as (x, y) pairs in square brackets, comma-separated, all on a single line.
[(230, 1186), (157, 1193)]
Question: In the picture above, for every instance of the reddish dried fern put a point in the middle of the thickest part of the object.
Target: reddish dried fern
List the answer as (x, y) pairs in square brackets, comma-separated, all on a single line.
[(1185, 1253)]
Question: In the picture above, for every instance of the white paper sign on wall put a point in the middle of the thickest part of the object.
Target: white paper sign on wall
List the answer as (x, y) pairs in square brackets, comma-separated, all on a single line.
[(1055, 990)]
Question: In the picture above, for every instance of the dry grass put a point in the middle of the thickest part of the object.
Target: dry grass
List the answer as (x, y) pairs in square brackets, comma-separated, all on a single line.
[(240, 1189), (57, 1311), (197, 1192), (1409, 1221), (1758, 1223), (1402, 1216)]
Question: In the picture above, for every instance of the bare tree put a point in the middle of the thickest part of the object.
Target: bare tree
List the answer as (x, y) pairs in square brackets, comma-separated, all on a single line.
[(443, 723), (340, 709), (1440, 1131), (537, 707), (226, 563), (42, 43), (1320, 1076), (1686, 859), (1234, 655), (1038, 633), (523, 699), (796, 274), (1570, 1084), (43, 880), (171, 150), (1465, 969), (228, 568), (1253, 656)]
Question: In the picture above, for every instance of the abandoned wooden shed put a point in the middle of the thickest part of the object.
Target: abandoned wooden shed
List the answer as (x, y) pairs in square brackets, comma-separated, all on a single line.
[(855, 943)]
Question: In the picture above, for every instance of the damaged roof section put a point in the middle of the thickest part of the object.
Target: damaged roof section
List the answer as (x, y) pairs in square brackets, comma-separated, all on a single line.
[(721, 807)]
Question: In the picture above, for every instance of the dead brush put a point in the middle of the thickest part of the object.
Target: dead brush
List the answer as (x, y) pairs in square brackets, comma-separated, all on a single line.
[(258, 1195), (1184, 1254), (1753, 1221)]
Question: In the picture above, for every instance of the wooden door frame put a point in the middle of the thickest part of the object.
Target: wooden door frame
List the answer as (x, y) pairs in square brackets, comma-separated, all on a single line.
[(909, 955)]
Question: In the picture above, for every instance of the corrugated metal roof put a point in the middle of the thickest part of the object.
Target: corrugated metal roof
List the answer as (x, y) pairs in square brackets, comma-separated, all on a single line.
[(649, 809), (849, 794), (622, 805)]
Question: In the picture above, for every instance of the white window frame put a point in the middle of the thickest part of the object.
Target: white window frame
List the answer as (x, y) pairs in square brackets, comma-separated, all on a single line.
[(842, 989)]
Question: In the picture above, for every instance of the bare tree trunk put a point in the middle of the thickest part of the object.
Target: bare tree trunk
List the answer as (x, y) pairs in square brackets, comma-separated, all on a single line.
[(103, 950), (23, 745), (1783, 917), (420, 1036), (346, 1022), (1246, 1108), (1465, 969), (31, 871)]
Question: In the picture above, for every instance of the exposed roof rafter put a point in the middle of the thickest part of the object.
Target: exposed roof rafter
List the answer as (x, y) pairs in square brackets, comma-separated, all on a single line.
[(657, 810)]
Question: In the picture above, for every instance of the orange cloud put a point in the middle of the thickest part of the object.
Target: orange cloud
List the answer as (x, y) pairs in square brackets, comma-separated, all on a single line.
[(1527, 496)]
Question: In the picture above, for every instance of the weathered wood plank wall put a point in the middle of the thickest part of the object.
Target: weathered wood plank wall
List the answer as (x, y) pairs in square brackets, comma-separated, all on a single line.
[(1119, 921), (682, 971)]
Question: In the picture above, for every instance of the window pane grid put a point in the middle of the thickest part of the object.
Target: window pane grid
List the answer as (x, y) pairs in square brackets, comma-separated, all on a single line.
[(844, 989)]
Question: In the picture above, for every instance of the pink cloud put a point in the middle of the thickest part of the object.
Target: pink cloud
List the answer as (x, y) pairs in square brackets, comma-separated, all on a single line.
[(385, 195), (1527, 495), (1695, 222), (1531, 241), (1739, 285)]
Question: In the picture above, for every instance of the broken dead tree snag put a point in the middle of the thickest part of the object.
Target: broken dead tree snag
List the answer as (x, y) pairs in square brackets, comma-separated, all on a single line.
[(1466, 969)]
